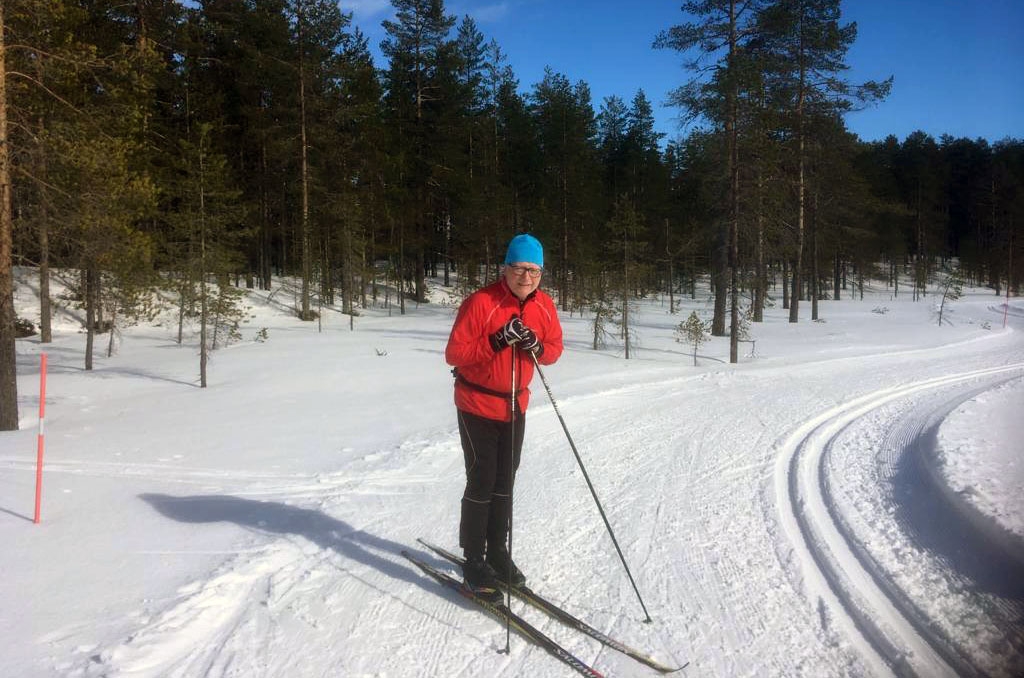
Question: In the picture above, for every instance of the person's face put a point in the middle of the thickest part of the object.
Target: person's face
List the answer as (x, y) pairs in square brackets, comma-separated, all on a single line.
[(522, 278)]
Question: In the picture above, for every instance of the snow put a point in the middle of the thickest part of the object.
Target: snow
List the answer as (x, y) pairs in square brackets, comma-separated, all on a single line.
[(780, 515), (983, 454)]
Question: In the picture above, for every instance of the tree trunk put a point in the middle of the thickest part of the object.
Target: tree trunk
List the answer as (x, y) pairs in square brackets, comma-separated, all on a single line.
[(203, 294), (8, 355), (785, 283), (306, 266), (45, 310), (814, 284), (111, 337), (563, 273), (720, 278), (798, 260), (91, 283), (421, 273), (837, 277), (266, 258), (448, 243), (625, 291), (723, 237), (733, 142), (761, 275), (671, 274), (920, 272), (401, 269)]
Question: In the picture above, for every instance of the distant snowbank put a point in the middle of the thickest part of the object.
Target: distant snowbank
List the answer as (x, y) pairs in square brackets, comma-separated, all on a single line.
[(981, 445)]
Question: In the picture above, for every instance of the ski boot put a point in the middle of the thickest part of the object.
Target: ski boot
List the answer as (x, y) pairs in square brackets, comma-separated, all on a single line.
[(501, 563), (479, 579)]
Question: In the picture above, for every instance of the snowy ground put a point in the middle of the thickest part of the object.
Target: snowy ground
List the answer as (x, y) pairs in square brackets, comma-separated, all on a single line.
[(980, 465), (787, 516)]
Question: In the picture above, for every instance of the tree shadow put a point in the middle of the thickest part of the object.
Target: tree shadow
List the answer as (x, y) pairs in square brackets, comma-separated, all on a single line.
[(319, 528), (943, 528)]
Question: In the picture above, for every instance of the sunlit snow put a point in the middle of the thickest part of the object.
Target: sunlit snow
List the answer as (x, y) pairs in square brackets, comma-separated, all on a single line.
[(783, 516)]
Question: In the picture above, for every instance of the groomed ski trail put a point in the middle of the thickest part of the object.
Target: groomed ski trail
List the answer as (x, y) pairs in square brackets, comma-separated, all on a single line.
[(888, 640)]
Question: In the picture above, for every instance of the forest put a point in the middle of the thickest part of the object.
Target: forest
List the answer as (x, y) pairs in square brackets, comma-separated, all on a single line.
[(157, 150)]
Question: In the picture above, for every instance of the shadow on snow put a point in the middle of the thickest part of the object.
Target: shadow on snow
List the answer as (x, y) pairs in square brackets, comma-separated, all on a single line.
[(319, 528)]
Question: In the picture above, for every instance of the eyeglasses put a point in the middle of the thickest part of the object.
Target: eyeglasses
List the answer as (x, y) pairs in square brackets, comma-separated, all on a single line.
[(523, 270)]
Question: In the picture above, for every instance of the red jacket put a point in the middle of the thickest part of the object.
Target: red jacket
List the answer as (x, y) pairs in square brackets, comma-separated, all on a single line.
[(469, 349)]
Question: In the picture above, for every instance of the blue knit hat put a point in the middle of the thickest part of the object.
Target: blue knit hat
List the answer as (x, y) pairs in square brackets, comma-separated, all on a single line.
[(525, 248)]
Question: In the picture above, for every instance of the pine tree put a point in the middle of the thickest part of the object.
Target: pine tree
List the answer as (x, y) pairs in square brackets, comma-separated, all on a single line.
[(568, 173), (810, 46), (612, 130), (98, 106), (693, 331), (8, 373), (950, 289), (716, 93), (238, 66), (627, 246), (470, 220), (208, 212), (356, 168), (317, 38), (418, 50)]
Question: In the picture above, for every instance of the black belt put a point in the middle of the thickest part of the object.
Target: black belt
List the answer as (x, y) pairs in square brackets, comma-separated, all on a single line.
[(477, 387)]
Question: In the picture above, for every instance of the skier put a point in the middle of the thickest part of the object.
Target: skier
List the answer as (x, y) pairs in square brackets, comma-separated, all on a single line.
[(511, 317)]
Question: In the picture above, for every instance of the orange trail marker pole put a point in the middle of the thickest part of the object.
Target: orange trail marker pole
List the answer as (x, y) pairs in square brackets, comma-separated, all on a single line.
[(42, 434)]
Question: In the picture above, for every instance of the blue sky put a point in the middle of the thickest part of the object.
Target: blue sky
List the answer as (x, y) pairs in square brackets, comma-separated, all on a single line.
[(958, 65)]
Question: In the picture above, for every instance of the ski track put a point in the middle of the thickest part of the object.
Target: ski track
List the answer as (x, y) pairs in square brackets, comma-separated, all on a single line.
[(906, 531), (280, 607), (887, 633)]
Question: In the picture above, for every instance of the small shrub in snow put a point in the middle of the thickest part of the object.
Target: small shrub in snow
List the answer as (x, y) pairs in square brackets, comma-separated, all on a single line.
[(453, 299), (951, 288), (605, 314), (694, 331), (226, 315), (23, 328), (743, 328)]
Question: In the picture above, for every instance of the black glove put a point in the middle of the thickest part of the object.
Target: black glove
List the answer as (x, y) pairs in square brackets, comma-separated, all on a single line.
[(513, 332), (530, 342)]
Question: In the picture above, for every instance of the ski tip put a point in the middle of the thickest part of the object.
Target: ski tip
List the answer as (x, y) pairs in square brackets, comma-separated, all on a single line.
[(668, 671)]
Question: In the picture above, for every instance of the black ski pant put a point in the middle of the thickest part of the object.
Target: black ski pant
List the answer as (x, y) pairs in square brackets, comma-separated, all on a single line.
[(488, 447)]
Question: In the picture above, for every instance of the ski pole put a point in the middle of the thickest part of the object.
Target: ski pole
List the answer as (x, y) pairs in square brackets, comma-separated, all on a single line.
[(593, 492), (511, 486)]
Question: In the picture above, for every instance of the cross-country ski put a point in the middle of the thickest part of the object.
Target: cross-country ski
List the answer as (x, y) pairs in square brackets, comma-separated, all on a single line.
[(528, 595), (501, 611)]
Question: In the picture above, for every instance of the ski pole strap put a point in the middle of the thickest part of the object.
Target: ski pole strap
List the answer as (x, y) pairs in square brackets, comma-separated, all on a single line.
[(482, 389)]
